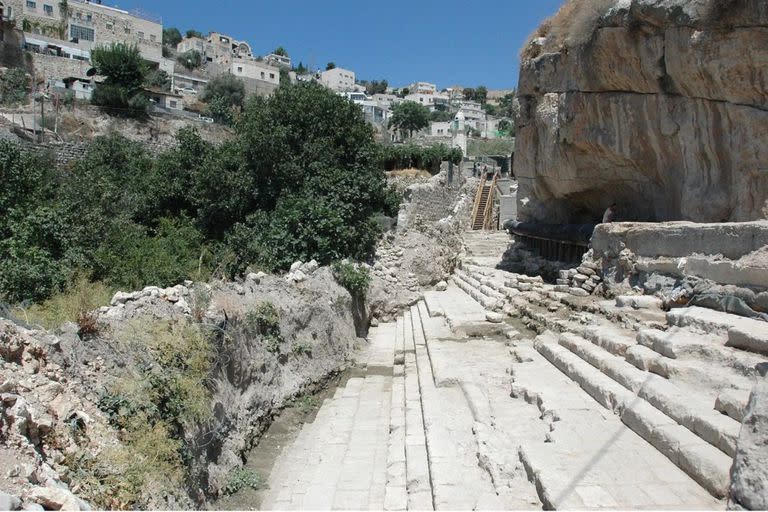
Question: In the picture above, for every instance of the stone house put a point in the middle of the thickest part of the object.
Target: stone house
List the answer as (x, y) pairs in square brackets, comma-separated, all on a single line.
[(338, 79), (89, 23), (217, 48)]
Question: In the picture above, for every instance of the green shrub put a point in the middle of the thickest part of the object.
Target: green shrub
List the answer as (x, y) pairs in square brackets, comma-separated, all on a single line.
[(243, 478), (355, 278), (410, 156), (130, 258), (13, 86), (264, 322)]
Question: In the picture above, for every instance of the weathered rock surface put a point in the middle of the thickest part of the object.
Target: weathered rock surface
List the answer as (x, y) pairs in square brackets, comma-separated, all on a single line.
[(749, 474), (659, 106)]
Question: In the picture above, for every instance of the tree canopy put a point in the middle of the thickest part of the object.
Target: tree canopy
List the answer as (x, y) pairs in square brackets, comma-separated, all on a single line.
[(280, 51), (409, 117), (222, 94), (302, 179), (330, 66), (194, 33), (171, 36), (124, 72)]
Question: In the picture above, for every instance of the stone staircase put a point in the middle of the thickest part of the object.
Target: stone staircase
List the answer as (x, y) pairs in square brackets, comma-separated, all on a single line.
[(613, 405), (680, 380)]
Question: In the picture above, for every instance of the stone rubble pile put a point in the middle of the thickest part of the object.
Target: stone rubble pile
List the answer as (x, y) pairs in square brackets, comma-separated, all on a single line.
[(130, 304), (299, 272), (45, 417), (581, 281)]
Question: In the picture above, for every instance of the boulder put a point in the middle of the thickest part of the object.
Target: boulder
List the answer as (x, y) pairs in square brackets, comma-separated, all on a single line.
[(749, 473), (8, 502), (441, 286), (54, 498)]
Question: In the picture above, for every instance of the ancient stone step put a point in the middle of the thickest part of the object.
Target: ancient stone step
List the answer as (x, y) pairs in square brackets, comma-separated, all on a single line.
[(707, 349), (588, 458), (418, 478), (457, 480), (694, 412), (395, 493), (702, 461), (743, 333)]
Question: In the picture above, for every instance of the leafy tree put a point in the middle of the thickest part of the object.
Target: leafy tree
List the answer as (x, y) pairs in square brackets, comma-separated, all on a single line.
[(409, 117), (330, 66), (376, 87), (220, 110), (285, 77), (124, 70), (469, 94), (171, 37), (506, 105), (191, 59), (441, 116), (505, 125), (159, 79), (13, 86), (491, 110), (194, 33), (226, 87), (481, 94), (301, 69), (280, 51)]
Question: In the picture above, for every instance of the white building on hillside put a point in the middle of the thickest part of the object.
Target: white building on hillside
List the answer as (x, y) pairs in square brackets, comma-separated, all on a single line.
[(338, 79), (422, 88)]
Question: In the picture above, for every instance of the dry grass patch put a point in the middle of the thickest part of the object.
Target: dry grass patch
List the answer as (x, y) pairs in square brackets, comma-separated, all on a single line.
[(574, 24), (75, 304)]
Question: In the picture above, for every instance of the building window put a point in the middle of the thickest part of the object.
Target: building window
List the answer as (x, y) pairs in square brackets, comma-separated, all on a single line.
[(262, 75), (31, 4), (173, 104), (152, 37), (141, 35), (48, 9), (239, 69), (88, 17), (110, 26), (127, 30), (272, 76), (81, 33)]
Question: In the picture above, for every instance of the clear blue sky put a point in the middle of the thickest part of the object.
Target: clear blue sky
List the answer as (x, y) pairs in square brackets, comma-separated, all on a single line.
[(448, 42)]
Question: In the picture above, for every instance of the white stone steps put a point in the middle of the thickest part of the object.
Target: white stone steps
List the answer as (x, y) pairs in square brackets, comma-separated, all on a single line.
[(678, 343), (395, 493), (703, 462), (589, 459), (743, 333), (458, 481), (695, 413), (418, 478)]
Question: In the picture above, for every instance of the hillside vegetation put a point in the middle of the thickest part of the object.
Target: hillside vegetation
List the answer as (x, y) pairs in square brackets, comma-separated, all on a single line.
[(302, 179)]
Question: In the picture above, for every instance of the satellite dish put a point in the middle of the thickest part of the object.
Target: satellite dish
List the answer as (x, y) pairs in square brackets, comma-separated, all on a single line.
[(91, 72)]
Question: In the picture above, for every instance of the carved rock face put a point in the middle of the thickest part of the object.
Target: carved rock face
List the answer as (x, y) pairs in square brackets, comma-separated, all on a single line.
[(663, 110)]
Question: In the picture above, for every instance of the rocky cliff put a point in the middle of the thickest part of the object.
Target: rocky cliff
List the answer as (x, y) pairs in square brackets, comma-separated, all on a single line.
[(660, 106)]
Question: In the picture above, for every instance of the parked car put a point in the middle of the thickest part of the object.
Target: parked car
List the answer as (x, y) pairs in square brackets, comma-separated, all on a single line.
[(203, 119), (187, 90)]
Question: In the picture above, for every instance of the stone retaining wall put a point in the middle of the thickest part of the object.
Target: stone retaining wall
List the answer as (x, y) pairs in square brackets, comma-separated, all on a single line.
[(434, 200), (64, 153)]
